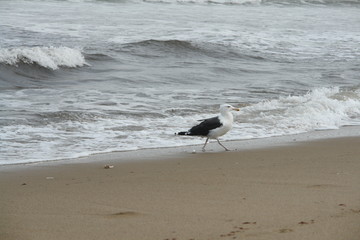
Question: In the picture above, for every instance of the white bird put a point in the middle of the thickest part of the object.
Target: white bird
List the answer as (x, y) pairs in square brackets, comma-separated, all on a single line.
[(213, 128)]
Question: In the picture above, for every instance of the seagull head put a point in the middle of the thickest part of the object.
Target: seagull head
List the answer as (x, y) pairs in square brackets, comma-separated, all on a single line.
[(227, 108)]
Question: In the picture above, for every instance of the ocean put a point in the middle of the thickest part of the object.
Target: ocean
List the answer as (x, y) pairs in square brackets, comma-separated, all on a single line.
[(80, 77)]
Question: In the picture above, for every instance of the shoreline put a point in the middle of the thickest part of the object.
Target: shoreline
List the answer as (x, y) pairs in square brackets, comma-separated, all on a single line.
[(171, 152), (306, 190)]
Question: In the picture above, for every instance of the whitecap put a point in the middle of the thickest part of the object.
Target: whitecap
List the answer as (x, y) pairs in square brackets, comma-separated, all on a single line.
[(319, 109), (47, 57)]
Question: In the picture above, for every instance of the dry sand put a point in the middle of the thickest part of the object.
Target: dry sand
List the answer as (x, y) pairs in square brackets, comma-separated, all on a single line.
[(306, 191)]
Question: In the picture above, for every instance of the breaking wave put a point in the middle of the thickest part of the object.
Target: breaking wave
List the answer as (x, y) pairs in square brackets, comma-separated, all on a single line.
[(48, 57), (319, 109), (48, 133)]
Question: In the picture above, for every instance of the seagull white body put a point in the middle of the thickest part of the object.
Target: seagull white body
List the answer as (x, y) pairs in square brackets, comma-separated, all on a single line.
[(227, 119), (213, 128)]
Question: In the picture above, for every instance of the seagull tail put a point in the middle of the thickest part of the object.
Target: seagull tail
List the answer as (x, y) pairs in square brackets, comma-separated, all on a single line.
[(182, 133)]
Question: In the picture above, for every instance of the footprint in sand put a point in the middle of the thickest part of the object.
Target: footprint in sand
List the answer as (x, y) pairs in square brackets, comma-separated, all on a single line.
[(123, 214)]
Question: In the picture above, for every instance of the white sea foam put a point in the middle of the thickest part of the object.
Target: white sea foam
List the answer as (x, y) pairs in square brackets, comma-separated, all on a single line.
[(48, 57), (61, 136), (320, 109)]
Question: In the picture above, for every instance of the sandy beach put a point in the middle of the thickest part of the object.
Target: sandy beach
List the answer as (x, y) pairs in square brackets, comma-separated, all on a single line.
[(303, 191)]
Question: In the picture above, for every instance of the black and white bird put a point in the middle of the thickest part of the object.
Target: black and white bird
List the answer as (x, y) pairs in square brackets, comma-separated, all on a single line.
[(213, 128)]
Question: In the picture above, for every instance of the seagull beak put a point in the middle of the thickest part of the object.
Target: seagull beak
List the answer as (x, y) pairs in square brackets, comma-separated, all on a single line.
[(236, 109)]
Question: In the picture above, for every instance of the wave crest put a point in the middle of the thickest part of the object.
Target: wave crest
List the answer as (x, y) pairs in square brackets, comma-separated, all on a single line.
[(47, 57), (158, 48), (164, 44), (321, 108)]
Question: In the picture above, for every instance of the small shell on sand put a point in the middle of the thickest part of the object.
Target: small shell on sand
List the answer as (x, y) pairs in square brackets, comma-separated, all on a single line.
[(108, 166)]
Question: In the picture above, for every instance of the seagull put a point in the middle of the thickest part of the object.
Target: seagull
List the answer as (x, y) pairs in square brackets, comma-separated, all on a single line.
[(213, 128)]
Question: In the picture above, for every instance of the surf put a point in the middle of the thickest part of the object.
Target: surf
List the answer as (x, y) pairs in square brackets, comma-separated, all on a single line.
[(48, 57)]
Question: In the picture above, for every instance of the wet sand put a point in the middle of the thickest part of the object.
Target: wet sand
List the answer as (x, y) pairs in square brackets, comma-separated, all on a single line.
[(307, 190)]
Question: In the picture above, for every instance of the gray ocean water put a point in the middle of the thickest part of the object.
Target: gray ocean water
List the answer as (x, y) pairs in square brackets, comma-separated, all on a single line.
[(85, 76)]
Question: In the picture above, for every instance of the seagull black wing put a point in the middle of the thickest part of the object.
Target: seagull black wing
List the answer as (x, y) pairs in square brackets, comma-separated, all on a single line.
[(205, 126)]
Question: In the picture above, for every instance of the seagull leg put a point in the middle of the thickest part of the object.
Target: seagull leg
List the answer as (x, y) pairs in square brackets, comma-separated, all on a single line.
[(203, 149), (222, 145)]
